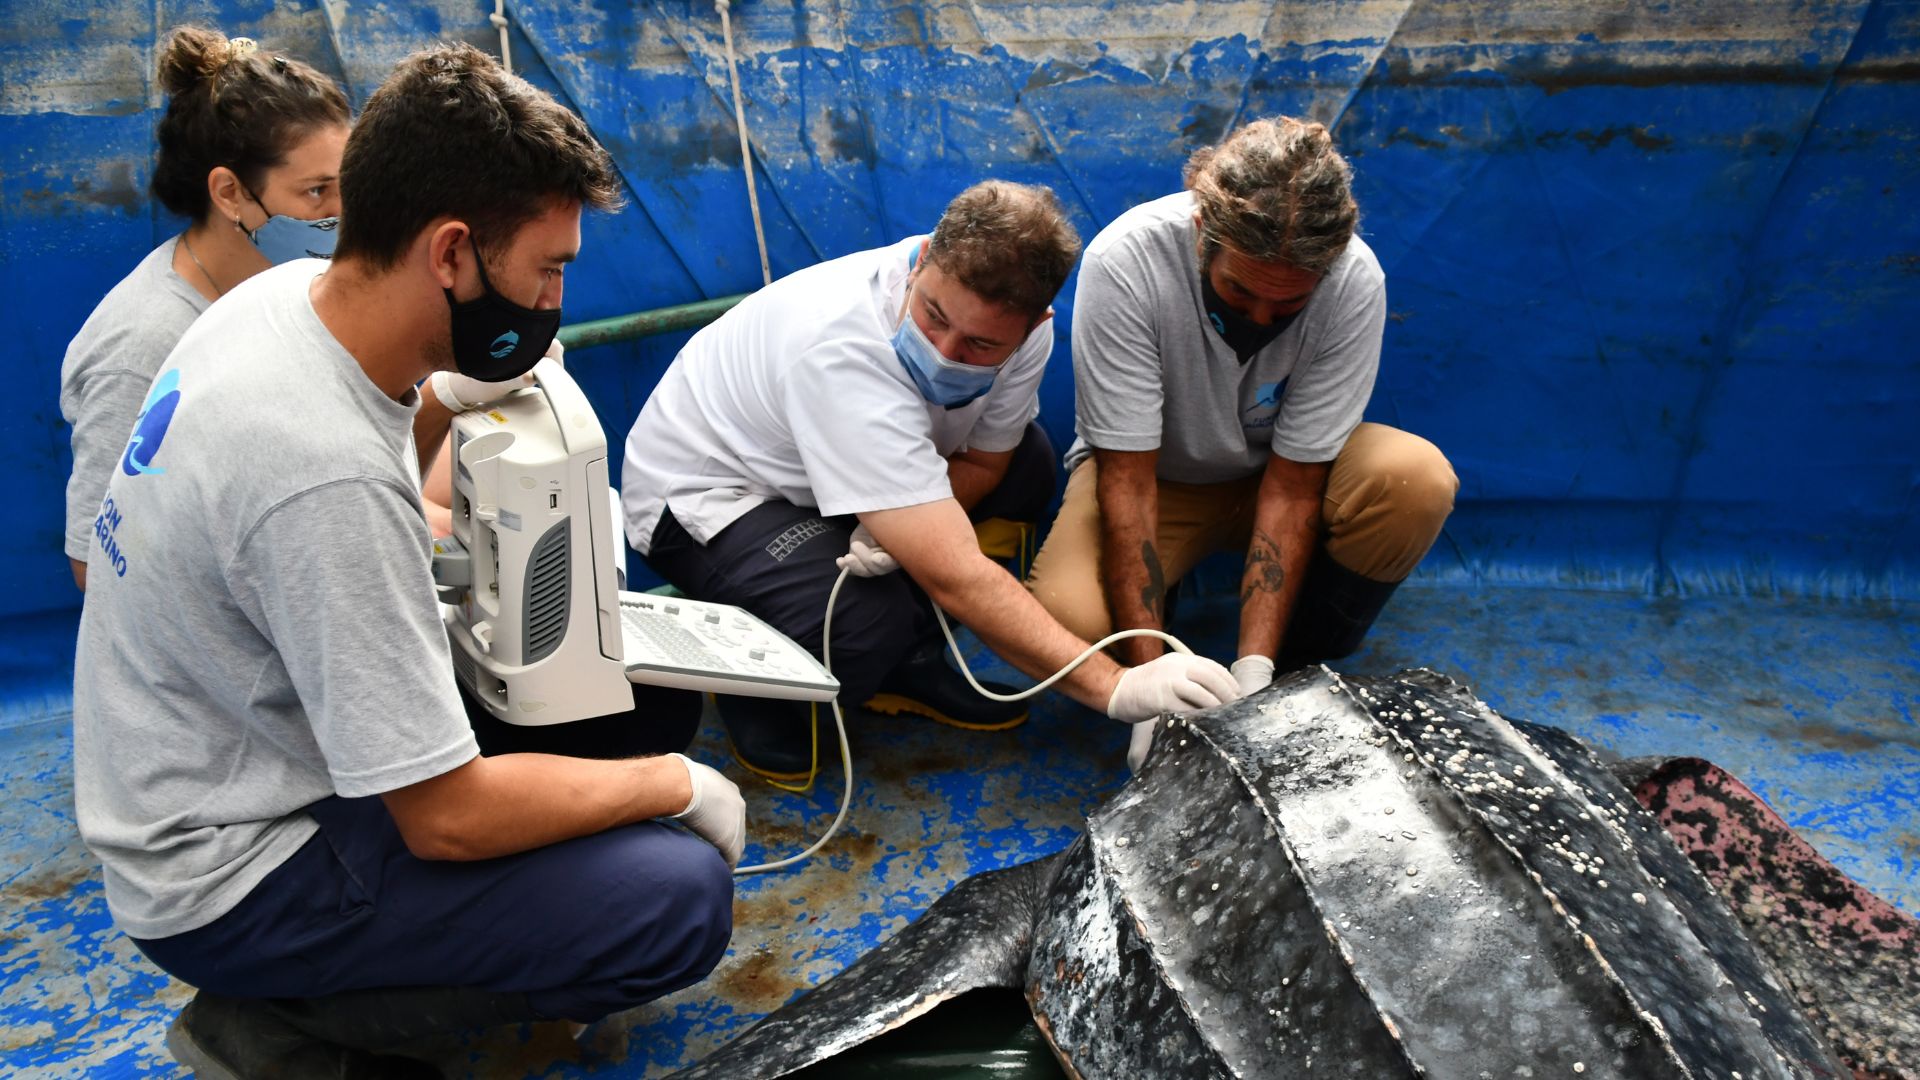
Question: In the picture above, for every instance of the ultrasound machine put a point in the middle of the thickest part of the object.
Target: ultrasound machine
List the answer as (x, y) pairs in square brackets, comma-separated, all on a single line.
[(531, 580)]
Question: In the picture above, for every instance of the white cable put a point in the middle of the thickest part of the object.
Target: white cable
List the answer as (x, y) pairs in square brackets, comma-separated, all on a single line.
[(840, 729), (840, 722), (1118, 635), (746, 154), (499, 19)]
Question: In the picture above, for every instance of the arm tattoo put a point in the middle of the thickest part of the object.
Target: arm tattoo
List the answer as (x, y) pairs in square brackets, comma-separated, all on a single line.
[(1153, 594), (1264, 572)]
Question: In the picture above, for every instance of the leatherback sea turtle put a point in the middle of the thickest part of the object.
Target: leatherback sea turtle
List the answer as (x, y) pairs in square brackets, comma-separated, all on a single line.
[(1370, 877)]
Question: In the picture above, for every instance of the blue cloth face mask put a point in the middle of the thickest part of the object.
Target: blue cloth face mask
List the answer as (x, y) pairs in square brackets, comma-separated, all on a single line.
[(941, 381), (283, 239)]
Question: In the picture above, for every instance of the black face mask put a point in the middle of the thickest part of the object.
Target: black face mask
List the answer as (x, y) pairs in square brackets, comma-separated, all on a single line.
[(1244, 336), (495, 339)]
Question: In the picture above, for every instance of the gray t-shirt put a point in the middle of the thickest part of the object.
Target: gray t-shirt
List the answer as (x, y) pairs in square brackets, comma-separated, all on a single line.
[(260, 630), (1150, 373), (104, 378)]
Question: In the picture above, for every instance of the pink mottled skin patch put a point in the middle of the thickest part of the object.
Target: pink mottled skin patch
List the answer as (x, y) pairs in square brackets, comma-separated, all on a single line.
[(1713, 814), (1852, 958)]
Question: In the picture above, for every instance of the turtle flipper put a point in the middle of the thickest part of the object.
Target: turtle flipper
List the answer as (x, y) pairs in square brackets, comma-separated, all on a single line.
[(1852, 958), (978, 935)]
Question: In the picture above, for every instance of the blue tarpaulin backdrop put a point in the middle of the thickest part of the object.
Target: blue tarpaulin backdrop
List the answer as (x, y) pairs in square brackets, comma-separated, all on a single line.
[(1651, 269), (1650, 272)]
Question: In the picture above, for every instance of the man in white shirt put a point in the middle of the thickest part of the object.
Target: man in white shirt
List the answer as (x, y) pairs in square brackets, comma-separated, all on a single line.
[(852, 414), (1225, 342)]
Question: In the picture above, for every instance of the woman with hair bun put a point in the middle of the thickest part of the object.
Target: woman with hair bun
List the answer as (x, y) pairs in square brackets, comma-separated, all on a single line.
[(250, 149)]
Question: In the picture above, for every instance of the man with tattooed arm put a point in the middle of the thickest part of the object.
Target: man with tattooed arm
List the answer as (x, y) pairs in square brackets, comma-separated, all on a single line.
[(1225, 342)]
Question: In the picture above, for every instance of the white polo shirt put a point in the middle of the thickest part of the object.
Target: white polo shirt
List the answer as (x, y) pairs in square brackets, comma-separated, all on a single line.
[(797, 395)]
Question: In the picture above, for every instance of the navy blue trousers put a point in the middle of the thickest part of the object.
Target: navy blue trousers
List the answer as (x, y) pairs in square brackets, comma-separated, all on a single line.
[(777, 562), (583, 928), (662, 721)]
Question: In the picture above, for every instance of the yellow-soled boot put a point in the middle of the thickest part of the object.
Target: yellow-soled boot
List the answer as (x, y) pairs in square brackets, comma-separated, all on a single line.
[(925, 685)]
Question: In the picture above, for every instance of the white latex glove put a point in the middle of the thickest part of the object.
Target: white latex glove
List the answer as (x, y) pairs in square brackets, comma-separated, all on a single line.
[(1139, 743), (1169, 683), (866, 558), (1252, 673), (717, 813), (462, 392)]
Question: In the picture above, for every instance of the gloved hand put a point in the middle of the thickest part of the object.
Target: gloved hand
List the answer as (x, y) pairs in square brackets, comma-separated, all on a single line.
[(462, 392), (717, 813), (1252, 673), (1167, 683), (1139, 743), (866, 558)]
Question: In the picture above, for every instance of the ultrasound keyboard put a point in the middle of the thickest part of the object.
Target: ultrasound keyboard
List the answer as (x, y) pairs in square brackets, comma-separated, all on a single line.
[(695, 645)]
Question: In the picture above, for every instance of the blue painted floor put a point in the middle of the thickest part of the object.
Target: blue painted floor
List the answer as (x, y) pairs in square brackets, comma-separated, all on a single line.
[(1811, 703)]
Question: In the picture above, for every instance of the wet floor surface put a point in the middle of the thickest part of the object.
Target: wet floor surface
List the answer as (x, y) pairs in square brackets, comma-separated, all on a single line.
[(1813, 704)]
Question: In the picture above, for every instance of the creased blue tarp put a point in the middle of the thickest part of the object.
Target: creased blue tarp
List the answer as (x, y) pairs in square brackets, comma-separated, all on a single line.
[(1651, 269)]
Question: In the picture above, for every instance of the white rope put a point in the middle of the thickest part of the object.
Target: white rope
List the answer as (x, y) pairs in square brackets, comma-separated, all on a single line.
[(746, 153), (499, 19)]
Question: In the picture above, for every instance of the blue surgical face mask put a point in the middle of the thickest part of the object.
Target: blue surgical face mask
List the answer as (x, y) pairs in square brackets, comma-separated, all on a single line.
[(941, 381), (284, 239)]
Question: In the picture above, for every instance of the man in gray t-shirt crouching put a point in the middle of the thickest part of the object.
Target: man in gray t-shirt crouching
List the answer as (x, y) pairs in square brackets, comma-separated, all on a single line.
[(1225, 341), (271, 759)]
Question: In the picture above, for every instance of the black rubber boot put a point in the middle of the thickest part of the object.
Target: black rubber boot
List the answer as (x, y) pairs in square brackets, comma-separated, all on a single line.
[(223, 1038), (382, 1021), (1331, 618), (774, 739), (924, 684)]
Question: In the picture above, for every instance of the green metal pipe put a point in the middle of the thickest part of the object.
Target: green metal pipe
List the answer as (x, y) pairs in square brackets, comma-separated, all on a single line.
[(646, 323)]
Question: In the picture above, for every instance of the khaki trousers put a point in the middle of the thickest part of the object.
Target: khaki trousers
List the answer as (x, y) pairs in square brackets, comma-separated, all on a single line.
[(1388, 494)]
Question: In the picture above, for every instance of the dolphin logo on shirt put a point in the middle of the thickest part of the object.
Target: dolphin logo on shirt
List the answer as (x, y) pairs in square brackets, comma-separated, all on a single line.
[(1266, 405), (150, 427)]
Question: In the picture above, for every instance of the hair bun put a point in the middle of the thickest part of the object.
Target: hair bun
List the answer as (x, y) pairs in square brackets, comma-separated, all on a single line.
[(191, 56)]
